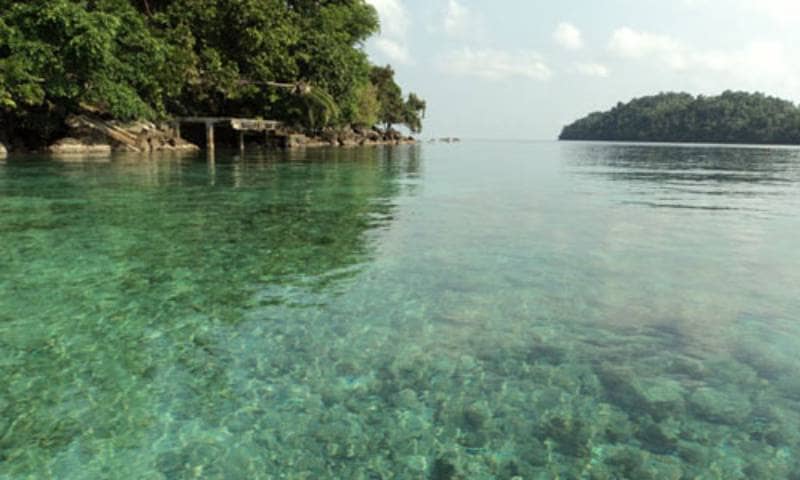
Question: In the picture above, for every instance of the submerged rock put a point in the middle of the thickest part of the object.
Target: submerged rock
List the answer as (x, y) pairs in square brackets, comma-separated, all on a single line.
[(627, 460), (693, 453), (729, 407), (443, 469), (573, 435), (777, 424), (661, 438), (788, 384), (407, 399), (689, 367), (631, 462), (659, 397), (476, 415)]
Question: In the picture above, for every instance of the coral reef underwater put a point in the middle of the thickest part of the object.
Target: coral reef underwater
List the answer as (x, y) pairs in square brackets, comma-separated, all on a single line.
[(345, 316)]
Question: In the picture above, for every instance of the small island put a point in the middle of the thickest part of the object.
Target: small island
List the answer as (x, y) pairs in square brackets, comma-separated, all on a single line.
[(732, 117)]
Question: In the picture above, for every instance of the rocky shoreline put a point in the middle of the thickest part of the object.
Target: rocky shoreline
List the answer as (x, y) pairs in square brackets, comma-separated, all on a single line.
[(91, 135), (342, 137)]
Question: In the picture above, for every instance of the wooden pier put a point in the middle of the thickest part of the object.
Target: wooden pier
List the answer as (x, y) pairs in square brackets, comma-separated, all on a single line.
[(241, 125)]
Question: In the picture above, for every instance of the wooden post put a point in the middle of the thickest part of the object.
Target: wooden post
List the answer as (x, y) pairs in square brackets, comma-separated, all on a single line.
[(212, 167), (177, 127), (241, 140), (210, 136)]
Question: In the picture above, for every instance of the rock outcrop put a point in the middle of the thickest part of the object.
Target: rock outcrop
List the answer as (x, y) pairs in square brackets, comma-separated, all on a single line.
[(343, 137), (92, 135), (3, 150), (69, 145), (88, 134)]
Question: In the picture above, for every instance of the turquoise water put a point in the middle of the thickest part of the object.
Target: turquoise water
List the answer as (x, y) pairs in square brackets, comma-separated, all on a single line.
[(472, 311)]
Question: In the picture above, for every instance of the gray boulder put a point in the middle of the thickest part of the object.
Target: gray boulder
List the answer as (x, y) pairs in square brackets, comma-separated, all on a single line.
[(347, 138), (297, 140), (392, 135)]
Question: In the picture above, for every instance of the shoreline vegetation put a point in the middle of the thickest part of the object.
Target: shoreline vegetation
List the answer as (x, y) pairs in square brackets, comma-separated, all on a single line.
[(81, 76), (90, 135), (729, 118)]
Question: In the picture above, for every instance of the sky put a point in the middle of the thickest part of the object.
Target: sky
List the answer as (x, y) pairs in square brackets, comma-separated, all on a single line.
[(522, 69)]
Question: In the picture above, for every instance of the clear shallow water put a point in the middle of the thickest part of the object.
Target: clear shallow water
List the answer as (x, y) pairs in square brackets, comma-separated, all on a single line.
[(483, 310)]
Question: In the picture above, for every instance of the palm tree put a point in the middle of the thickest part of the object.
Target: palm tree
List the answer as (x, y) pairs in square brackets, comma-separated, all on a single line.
[(319, 103)]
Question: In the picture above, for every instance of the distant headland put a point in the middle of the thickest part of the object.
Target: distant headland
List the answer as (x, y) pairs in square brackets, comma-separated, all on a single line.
[(732, 117)]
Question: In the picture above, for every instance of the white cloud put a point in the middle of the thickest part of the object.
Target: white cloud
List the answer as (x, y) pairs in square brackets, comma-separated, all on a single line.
[(696, 3), (393, 50), (457, 18), (629, 43), (496, 64), (393, 16), (756, 62), (592, 70), (781, 11), (760, 65), (395, 22), (568, 36)]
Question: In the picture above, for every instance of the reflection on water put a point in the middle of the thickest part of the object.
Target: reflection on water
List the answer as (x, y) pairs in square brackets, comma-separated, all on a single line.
[(468, 311), (694, 177)]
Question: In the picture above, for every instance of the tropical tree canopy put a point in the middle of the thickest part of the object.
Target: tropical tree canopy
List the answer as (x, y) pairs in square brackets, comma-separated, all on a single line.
[(732, 117), (414, 112), (150, 59), (392, 109)]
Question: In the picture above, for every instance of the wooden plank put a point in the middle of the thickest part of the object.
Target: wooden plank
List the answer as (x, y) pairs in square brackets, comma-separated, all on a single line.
[(203, 119), (253, 124)]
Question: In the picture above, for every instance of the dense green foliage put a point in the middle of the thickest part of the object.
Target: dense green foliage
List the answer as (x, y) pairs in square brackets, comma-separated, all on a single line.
[(733, 117), (392, 108), (413, 112), (151, 59), (58, 56)]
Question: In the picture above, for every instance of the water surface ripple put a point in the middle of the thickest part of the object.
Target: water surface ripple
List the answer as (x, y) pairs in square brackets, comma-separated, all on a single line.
[(481, 311)]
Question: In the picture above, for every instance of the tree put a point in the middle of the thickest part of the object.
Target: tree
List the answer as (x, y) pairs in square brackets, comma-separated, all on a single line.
[(149, 59), (241, 47), (390, 96), (366, 107), (414, 112), (233, 47), (62, 56)]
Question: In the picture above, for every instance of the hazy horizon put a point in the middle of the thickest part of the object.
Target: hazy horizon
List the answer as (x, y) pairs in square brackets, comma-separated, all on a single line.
[(522, 70)]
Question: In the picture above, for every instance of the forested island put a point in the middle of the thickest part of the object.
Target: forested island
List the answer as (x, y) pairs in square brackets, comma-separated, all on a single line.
[(300, 62), (732, 117)]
